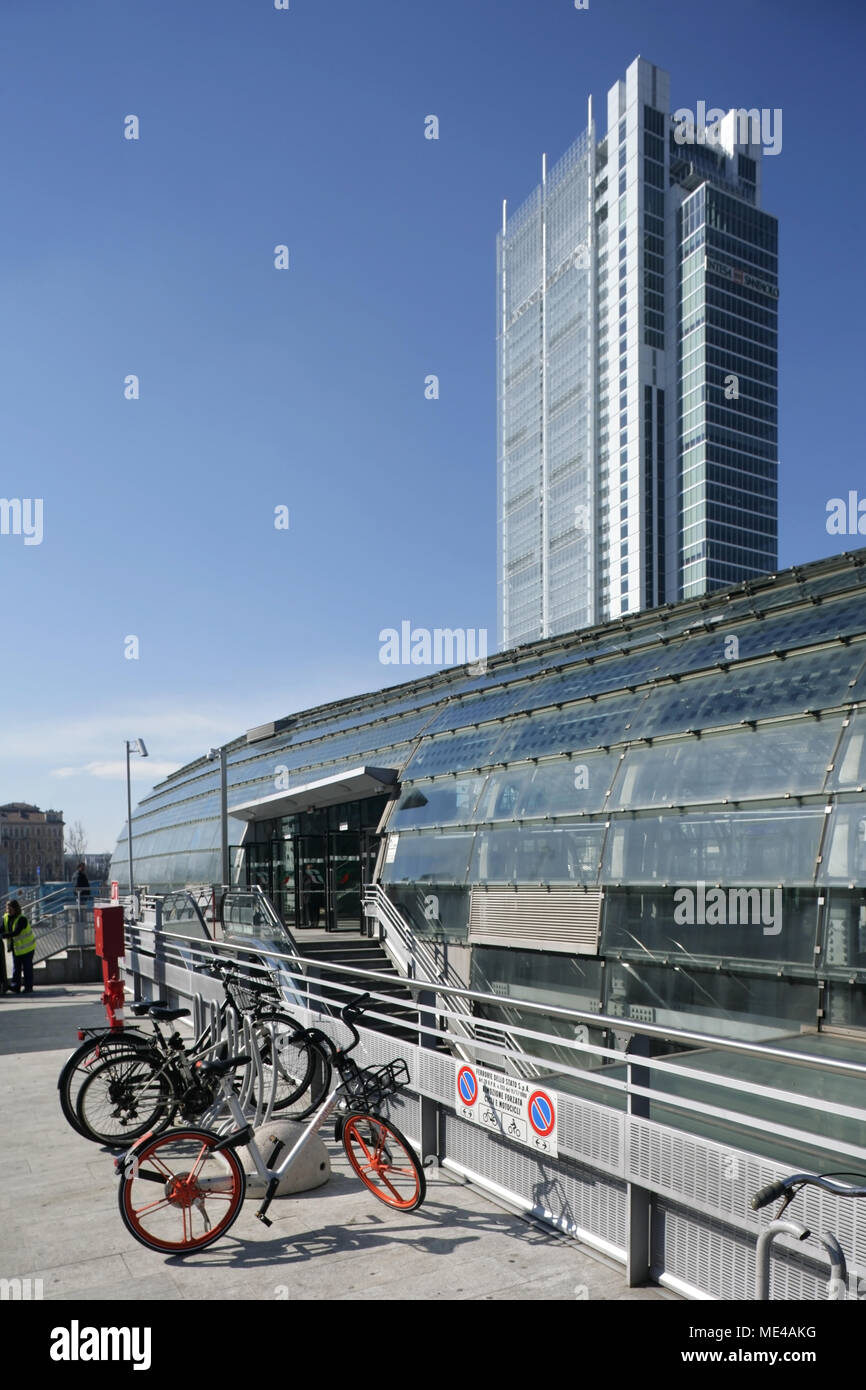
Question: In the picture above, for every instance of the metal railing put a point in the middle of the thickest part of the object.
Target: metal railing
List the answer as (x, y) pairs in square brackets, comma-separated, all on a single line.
[(67, 928), (629, 1170), (412, 954)]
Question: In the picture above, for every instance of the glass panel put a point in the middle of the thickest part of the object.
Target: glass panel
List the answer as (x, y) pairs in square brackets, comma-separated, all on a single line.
[(560, 853), (567, 730), (436, 909), (813, 680), (570, 982), (846, 1008), (850, 768), (453, 752), (450, 801), (710, 1001), (311, 873), (426, 857), (845, 859), (845, 945), (768, 761), (732, 847), (284, 880), (737, 923), (570, 785), (457, 714), (345, 870), (506, 787)]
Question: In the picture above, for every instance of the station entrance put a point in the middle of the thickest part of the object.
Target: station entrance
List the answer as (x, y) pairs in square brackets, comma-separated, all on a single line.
[(315, 863)]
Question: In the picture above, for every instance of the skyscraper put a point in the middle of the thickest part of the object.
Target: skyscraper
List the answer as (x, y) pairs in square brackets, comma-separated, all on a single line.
[(637, 367)]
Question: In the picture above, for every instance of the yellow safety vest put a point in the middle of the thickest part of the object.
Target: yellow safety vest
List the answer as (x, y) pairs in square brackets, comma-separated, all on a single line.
[(25, 941)]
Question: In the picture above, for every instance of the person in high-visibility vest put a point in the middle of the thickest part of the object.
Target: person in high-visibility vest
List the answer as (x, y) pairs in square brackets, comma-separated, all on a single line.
[(18, 933)]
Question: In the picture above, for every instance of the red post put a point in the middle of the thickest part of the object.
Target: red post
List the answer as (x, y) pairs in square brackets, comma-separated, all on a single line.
[(108, 938)]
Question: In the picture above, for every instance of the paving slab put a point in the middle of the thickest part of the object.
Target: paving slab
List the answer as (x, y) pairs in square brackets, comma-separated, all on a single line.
[(60, 1221)]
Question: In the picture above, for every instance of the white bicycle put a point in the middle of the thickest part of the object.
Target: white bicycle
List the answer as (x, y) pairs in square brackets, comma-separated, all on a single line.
[(182, 1189)]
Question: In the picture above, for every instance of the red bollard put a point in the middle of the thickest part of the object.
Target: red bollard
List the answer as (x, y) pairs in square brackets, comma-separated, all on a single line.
[(108, 938)]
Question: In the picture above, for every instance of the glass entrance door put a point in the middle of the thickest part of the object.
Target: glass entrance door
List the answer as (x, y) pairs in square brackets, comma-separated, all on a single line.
[(311, 878), (344, 905)]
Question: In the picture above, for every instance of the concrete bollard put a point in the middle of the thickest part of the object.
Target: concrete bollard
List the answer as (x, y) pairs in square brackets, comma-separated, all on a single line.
[(311, 1169)]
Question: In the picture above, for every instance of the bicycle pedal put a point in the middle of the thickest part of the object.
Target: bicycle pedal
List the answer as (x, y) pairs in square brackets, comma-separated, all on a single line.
[(265, 1220)]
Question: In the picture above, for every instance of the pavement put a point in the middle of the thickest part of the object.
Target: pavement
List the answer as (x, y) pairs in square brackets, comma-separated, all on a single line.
[(59, 1220)]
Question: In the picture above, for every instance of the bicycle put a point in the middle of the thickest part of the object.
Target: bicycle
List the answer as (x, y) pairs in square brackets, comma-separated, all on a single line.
[(96, 1045), (787, 1189), (142, 1088), (198, 1169)]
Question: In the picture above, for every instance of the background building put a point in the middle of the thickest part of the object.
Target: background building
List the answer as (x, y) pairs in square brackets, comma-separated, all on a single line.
[(637, 370), (32, 841), (540, 817)]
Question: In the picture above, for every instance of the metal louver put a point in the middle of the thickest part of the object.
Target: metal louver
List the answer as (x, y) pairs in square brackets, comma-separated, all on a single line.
[(565, 919)]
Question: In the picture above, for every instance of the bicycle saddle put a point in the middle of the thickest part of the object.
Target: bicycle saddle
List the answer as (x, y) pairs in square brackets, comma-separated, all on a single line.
[(221, 1065), (141, 1006), (166, 1015)]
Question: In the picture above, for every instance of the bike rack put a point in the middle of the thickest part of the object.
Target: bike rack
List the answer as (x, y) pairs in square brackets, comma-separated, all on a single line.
[(838, 1285)]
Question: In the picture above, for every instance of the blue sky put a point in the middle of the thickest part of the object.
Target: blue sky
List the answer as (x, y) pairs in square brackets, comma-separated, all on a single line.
[(305, 388)]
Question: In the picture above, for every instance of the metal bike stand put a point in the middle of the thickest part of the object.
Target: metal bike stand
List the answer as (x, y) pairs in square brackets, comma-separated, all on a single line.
[(838, 1286)]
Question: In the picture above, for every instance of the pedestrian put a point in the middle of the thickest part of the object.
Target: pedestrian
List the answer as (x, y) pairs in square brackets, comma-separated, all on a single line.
[(82, 884), (21, 941)]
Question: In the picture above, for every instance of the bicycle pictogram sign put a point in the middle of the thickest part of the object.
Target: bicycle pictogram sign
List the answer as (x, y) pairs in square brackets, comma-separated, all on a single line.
[(542, 1115), (467, 1085)]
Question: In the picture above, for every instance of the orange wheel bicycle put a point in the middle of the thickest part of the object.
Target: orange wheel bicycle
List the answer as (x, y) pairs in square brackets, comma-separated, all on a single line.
[(178, 1193), (384, 1160)]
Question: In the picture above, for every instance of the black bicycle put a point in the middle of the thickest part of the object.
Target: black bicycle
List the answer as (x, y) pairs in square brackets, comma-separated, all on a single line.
[(119, 1087)]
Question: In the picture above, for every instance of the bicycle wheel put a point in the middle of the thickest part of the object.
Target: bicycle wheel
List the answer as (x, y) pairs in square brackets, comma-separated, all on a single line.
[(125, 1096), (284, 1050), (177, 1194), (303, 1071), (384, 1160), (84, 1060)]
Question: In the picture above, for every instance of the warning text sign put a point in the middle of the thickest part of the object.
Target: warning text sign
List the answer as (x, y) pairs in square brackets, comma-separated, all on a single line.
[(513, 1108)]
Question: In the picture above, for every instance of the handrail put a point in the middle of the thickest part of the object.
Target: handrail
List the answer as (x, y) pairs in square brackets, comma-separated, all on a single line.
[(635, 1067)]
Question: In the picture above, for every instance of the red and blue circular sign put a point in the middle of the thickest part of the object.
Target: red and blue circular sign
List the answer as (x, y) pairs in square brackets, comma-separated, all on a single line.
[(467, 1085), (542, 1115)]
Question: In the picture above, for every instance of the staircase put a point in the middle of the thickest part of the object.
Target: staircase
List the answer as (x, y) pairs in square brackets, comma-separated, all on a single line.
[(360, 953)]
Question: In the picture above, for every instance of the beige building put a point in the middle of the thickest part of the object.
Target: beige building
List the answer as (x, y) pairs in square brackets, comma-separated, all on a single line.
[(31, 840)]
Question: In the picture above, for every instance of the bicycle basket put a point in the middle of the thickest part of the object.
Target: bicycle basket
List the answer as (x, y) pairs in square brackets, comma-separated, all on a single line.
[(367, 1088), (250, 993)]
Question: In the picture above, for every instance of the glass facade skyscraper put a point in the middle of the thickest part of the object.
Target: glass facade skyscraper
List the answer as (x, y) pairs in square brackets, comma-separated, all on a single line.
[(637, 362)]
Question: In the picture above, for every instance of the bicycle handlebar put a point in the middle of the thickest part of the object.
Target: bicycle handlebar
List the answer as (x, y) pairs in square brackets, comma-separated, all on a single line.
[(350, 1012), (778, 1189)]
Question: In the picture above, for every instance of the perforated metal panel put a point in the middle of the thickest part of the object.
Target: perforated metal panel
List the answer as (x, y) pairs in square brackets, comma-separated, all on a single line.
[(720, 1260), (558, 919), (576, 1197)]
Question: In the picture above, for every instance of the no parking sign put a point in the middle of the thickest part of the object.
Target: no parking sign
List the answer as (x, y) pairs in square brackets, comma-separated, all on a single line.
[(467, 1092), (509, 1106)]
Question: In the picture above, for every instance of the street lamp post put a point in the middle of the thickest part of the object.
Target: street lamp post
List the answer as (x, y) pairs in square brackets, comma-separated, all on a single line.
[(135, 746), (224, 813)]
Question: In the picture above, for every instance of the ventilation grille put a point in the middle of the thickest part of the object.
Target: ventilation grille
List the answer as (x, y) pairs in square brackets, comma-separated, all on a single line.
[(556, 919)]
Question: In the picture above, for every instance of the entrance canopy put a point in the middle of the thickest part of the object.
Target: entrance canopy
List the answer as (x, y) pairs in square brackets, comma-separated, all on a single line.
[(357, 782)]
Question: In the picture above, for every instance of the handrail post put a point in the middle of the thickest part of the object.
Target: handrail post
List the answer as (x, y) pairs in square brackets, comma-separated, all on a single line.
[(638, 1199), (430, 1125)]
